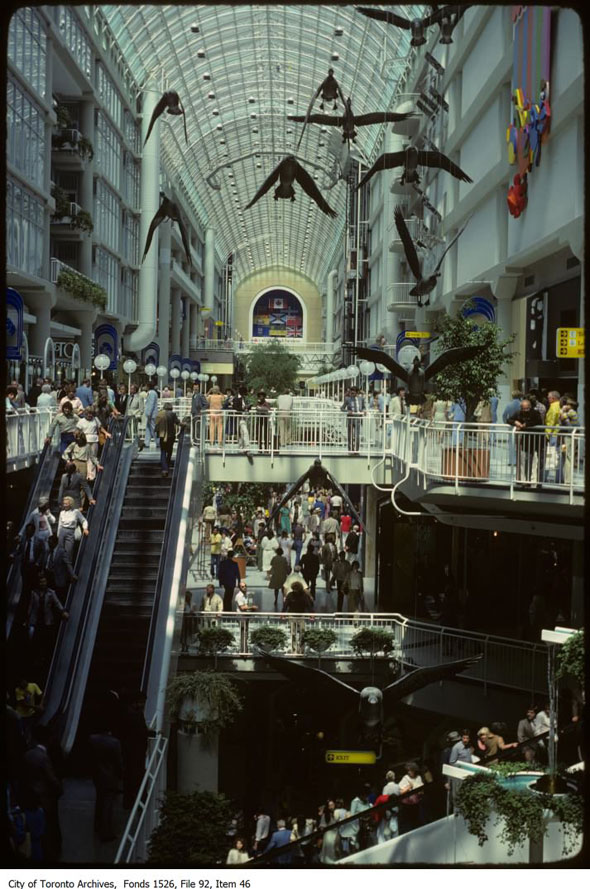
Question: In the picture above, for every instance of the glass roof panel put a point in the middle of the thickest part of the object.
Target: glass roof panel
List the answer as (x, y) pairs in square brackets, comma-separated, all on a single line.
[(246, 69)]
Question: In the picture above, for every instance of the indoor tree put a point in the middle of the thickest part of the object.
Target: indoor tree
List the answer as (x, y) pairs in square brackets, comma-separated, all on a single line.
[(271, 366), (192, 830), (470, 382)]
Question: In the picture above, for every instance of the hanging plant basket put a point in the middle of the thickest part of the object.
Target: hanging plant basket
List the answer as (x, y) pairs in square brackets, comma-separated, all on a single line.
[(319, 640), (570, 658), (269, 638), (205, 699)]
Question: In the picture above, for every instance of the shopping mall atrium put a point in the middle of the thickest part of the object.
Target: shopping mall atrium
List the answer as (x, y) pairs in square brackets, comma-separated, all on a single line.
[(310, 271)]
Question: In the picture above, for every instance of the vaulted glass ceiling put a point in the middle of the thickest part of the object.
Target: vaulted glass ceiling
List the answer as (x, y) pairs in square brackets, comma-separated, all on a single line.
[(239, 71)]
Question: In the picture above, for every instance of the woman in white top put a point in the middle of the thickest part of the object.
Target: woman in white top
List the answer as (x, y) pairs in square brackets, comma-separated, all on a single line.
[(238, 854), (441, 411), (269, 545), (46, 400)]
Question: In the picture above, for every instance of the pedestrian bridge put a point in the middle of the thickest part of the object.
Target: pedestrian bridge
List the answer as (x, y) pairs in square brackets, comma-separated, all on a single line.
[(482, 463)]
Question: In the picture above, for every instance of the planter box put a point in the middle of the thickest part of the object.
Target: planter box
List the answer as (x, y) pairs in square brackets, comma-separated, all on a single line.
[(465, 462)]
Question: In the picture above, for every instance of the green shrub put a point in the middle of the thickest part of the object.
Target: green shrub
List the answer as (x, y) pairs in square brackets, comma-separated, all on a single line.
[(570, 658), (269, 638), (372, 640), (318, 639), (214, 692), (215, 639), (192, 830), (81, 288)]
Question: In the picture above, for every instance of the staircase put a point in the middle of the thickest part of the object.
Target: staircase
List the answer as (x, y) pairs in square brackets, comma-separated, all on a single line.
[(124, 624)]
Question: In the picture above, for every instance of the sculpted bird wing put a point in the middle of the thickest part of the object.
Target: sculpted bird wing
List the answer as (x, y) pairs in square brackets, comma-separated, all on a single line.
[(184, 236), (362, 120), (383, 358), (268, 183), (307, 184), (181, 106), (451, 356), (384, 16), (329, 120), (410, 250), (385, 162), (158, 217), (158, 110), (440, 160), (423, 676), (450, 244), (313, 678)]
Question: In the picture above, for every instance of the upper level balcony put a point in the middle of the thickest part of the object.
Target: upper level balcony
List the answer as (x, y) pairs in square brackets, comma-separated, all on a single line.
[(70, 149), (399, 296)]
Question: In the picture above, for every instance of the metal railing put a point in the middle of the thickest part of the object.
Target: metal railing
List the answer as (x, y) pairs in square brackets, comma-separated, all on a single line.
[(145, 814), (509, 663), (491, 454), (26, 431)]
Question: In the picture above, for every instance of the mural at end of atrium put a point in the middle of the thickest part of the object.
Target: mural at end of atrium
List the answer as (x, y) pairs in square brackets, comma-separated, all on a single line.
[(277, 313)]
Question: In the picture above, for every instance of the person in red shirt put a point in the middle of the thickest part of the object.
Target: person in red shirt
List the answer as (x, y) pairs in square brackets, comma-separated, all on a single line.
[(345, 523)]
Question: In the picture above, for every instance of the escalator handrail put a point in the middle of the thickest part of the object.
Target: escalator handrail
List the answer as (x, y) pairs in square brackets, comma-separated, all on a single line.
[(166, 565), (86, 565)]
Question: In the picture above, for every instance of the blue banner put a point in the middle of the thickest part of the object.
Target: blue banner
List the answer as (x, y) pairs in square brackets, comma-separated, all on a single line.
[(14, 324), (105, 342)]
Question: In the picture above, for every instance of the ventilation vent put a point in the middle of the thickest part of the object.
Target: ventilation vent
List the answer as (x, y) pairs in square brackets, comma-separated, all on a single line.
[(572, 262), (529, 280)]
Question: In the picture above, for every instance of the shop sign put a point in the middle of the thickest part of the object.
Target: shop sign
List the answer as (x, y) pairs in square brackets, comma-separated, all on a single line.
[(351, 757), (570, 342)]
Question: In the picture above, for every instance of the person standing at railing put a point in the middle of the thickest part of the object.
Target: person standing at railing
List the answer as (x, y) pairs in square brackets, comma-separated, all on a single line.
[(552, 422), (215, 539), (215, 401), (212, 603), (34, 392), (121, 398), (285, 407), (262, 416), (354, 407), (528, 442), (568, 420), (45, 400)]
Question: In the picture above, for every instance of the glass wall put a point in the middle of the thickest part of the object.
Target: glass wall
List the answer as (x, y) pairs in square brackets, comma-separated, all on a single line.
[(25, 135), (75, 38), (27, 48), (107, 159), (130, 180), (106, 273), (130, 245), (24, 229), (108, 94), (107, 216)]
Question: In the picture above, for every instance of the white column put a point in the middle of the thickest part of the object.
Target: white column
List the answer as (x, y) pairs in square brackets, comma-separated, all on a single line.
[(86, 322), (175, 338), (186, 330), (209, 283), (164, 295), (329, 335), (150, 202), (86, 196), (504, 384)]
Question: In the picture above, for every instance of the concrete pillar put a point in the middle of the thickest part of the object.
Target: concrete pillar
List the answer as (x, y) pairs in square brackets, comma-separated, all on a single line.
[(39, 332), (194, 328), (186, 328), (149, 202), (164, 295), (504, 384), (209, 282), (329, 334), (577, 598), (86, 194), (371, 532), (198, 762), (175, 337), (86, 322)]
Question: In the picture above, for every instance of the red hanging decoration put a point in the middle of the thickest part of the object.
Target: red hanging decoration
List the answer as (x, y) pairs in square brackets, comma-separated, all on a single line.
[(517, 195)]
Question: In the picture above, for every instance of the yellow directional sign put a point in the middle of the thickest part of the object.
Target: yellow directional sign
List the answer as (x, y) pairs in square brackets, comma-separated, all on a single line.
[(417, 334), (351, 757), (570, 342)]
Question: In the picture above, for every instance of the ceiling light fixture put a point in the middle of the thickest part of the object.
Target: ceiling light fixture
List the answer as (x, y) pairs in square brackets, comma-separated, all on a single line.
[(200, 53), (195, 29)]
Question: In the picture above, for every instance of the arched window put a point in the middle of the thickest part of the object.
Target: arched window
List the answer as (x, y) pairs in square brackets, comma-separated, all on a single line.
[(277, 313)]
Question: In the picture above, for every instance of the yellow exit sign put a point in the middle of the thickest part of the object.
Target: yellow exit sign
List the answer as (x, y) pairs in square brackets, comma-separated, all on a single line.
[(351, 757), (417, 334), (570, 342)]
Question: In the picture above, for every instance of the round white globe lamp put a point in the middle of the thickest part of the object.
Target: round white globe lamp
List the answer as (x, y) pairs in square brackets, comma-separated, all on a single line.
[(185, 375), (175, 373), (101, 363), (129, 366), (150, 369)]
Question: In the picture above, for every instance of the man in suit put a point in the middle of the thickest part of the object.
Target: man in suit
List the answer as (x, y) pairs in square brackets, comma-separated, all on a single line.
[(280, 837), (166, 423), (42, 787), (58, 566), (150, 410), (107, 773), (354, 406)]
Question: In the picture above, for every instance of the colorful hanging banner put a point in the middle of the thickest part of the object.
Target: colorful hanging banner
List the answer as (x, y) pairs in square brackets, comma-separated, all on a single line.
[(106, 343), (151, 354), (14, 324)]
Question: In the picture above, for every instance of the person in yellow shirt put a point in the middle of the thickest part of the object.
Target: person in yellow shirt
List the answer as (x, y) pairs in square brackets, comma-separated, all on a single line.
[(553, 456), (216, 540), (552, 415)]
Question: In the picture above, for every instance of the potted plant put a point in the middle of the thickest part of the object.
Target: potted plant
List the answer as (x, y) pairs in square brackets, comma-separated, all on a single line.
[(371, 640), (467, 383), (213, 640), (82, 288), (318, 640), (269, 638), (522, 813), (204, 699), (64, 118), (85, 148), (83, 221)]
